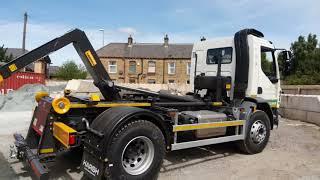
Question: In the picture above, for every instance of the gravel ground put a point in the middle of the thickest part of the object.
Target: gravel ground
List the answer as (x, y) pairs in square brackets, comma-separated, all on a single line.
[(292, 153)]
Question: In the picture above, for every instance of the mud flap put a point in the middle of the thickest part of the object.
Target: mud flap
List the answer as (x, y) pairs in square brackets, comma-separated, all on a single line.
[(91, 166)]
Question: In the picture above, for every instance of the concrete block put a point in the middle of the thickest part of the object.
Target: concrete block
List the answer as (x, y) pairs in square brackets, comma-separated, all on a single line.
[(301, 102), (294, 114), (313, 117)]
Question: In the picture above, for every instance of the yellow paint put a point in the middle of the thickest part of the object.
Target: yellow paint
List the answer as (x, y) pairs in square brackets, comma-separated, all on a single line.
[(13, 67), (47, 150), (61, 132), (1, 78), (189, 127), (216, 103), (57, 102), (274, 105), (95, 97), (228, 86), (90, 58), (103, 105), (39, 95)]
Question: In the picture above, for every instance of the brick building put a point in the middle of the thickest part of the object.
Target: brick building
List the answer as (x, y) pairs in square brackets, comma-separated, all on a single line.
[(154, 63)]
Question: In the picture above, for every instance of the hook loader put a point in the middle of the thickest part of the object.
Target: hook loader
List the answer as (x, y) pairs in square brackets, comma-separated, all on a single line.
[(126, 137)]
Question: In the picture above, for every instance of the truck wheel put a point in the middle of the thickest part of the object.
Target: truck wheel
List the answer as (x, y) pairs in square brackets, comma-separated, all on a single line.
[(136, 152), (257, 133)]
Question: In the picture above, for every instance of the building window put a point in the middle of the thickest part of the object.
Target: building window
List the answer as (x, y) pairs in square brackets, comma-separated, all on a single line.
[(112, 67), (132, 80), (188, 68), (151, 67), (188, 81), (132, 67), (171, 68), (151, 81), (171, 81)]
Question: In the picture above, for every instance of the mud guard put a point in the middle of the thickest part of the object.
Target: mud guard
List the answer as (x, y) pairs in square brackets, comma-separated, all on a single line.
[(95, 156), (264, 106)]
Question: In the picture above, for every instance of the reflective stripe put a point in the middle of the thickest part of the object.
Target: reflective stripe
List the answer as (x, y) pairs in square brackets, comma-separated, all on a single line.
[(13, 67), (110, 105), (62, 132), (217, 104), (48, 150), (90, 58), (188, 127)]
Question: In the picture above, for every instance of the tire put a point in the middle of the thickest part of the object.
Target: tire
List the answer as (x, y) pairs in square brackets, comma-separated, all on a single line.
[(138, 139), (257, 133)]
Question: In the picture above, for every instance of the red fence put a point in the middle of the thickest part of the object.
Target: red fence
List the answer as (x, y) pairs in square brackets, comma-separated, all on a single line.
[(19, 79)]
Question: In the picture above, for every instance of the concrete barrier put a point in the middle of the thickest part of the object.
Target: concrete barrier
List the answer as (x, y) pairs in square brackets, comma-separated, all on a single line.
[(301, 89), (301, 107)]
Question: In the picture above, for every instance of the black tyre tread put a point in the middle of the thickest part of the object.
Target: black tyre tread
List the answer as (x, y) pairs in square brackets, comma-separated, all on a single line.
[(136, 124), (244, 147)]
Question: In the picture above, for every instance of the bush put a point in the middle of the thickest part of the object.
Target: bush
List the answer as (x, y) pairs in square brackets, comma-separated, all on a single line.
[(303, 79), (70, 70)]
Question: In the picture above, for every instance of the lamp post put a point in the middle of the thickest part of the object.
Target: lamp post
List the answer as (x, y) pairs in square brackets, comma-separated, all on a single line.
[(102, 30)]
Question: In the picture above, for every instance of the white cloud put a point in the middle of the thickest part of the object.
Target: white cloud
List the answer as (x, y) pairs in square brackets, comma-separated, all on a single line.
[(128, 30), (182, 10)]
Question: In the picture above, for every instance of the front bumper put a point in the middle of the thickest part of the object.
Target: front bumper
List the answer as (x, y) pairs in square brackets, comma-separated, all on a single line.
[(24, 152)]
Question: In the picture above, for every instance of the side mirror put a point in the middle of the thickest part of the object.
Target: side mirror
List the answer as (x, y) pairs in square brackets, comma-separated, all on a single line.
[(286, 55), (286, 62)]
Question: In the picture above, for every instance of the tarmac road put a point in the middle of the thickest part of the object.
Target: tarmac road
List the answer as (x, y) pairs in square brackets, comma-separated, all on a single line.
[(292, 153)]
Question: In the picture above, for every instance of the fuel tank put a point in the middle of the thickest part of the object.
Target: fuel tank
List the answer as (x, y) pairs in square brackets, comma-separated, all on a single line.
[(205, 116)]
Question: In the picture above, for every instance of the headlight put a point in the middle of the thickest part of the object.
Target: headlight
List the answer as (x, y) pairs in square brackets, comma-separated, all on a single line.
[(61, 105)]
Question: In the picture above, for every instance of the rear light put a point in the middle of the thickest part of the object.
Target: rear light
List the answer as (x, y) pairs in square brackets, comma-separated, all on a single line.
[(72, 139)]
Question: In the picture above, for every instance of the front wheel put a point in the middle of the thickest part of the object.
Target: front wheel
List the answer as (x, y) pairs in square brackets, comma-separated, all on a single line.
[(137, 151), (257, 133)]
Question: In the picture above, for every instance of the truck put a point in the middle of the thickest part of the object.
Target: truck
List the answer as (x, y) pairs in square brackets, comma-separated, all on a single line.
[(124, 133)]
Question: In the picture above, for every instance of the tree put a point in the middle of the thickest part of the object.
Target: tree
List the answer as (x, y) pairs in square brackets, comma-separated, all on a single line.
[(3, 56), (70, 70), (306, 61)]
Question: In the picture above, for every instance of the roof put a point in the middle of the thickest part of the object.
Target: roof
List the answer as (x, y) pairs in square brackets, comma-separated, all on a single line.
[(16, 52), (146, 50)]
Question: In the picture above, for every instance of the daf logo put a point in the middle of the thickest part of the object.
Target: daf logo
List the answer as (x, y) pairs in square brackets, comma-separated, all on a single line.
[(94, 171)]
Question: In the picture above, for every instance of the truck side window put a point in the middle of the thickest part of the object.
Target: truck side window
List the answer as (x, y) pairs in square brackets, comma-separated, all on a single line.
[(223, 54), (268, 64)]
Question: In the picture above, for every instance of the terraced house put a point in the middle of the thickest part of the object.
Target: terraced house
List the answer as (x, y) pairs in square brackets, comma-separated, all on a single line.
[(154, 63)]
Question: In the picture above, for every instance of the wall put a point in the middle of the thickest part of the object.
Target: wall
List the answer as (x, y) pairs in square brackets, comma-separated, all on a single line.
[(301, 89), (301, 107)]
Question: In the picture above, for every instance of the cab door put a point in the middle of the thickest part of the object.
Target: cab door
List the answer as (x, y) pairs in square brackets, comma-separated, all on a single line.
[(268, 76)]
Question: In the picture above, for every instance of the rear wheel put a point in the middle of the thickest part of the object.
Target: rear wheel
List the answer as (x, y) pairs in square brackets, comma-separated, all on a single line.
[(136, 152), (257, 133)]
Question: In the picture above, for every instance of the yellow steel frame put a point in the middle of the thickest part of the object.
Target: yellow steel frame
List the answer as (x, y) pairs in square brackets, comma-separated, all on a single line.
[(107, 105), (189, 127)]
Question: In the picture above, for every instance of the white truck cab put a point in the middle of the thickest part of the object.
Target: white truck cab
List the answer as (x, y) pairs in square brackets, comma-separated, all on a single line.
[(262, 81)]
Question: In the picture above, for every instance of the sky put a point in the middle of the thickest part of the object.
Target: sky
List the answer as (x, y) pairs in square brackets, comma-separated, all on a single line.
[(185, 21)]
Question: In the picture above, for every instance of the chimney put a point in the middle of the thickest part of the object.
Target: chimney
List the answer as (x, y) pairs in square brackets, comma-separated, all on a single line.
[(130, 41), (166, 40)]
